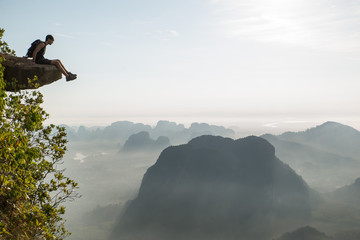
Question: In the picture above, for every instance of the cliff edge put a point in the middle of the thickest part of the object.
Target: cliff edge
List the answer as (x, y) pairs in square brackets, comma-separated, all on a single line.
[(19, 70)]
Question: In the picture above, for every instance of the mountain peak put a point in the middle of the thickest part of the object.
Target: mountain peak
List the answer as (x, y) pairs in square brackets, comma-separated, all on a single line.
[(214, 187), (248, 144), (333, 125)]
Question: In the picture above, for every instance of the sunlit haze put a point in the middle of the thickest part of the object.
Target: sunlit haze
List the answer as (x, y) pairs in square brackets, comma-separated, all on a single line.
[(252, 64)]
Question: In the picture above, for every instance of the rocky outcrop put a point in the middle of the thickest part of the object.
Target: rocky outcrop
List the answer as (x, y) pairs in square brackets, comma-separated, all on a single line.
[(18, 71)]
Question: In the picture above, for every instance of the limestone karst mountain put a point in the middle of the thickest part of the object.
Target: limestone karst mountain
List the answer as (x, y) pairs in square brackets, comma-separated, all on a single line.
[(216, 188), (143, 142), (23, 69)]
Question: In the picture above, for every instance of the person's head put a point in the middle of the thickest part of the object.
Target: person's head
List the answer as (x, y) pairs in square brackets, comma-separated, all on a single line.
[(49, 39)]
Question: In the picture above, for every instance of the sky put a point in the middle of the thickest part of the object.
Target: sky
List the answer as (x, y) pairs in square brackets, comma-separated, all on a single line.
[(247, 63)]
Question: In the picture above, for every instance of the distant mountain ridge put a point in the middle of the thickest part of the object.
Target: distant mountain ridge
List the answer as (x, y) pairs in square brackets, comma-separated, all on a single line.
[(332, 137), (327, 156), (216, 188), (122, 130)]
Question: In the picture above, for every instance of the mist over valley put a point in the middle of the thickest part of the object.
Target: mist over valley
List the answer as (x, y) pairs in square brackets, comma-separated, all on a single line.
[(169, 181)]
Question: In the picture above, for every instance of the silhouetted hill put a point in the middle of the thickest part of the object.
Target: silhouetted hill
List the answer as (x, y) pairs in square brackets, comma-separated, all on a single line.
[(216, 188), (318, 156), (142, 142), (166, 126), (305, 233), (199, 129)]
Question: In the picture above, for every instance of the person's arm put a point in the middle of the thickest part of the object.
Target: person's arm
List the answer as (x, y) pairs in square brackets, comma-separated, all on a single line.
[(37, 49)]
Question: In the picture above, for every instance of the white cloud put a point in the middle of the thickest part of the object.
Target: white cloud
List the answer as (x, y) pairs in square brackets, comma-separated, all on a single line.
[(165, 35), (173, 33), (64, 35), (80, 157), (295, 121), (271, 125), (322, 24), (108, 44)]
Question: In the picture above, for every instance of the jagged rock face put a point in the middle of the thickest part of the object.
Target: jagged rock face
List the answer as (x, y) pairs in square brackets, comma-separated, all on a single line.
[(21, 69), (216, 188)]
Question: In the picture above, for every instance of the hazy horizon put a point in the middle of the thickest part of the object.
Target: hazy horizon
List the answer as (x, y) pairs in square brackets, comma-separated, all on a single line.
[(215, 61), (242, 127), (110, 175)]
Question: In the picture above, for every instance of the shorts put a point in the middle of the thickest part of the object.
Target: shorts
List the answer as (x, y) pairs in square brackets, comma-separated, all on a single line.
[(42, 61)]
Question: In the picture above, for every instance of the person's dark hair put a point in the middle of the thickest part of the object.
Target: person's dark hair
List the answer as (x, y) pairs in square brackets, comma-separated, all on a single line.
[(49, 37)]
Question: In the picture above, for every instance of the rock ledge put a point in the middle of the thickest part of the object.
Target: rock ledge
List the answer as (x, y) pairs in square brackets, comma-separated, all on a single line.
[(18, 70)]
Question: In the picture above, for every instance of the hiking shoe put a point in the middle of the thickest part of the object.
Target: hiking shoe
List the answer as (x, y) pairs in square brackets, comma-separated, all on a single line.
[(70, 77), (72, 74)]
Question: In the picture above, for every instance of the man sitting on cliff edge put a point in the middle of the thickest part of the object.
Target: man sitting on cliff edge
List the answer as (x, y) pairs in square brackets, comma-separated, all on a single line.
[(38, 58)]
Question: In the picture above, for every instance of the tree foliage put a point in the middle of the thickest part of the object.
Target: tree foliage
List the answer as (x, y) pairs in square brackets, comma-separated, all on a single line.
[(32, 188)]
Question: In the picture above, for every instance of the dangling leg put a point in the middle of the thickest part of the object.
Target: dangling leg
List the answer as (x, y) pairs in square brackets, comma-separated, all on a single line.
[(62, 69), (62, 65), (59, 66)]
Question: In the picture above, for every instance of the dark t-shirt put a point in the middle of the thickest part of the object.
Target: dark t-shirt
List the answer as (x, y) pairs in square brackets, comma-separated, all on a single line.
[(40, 59)]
